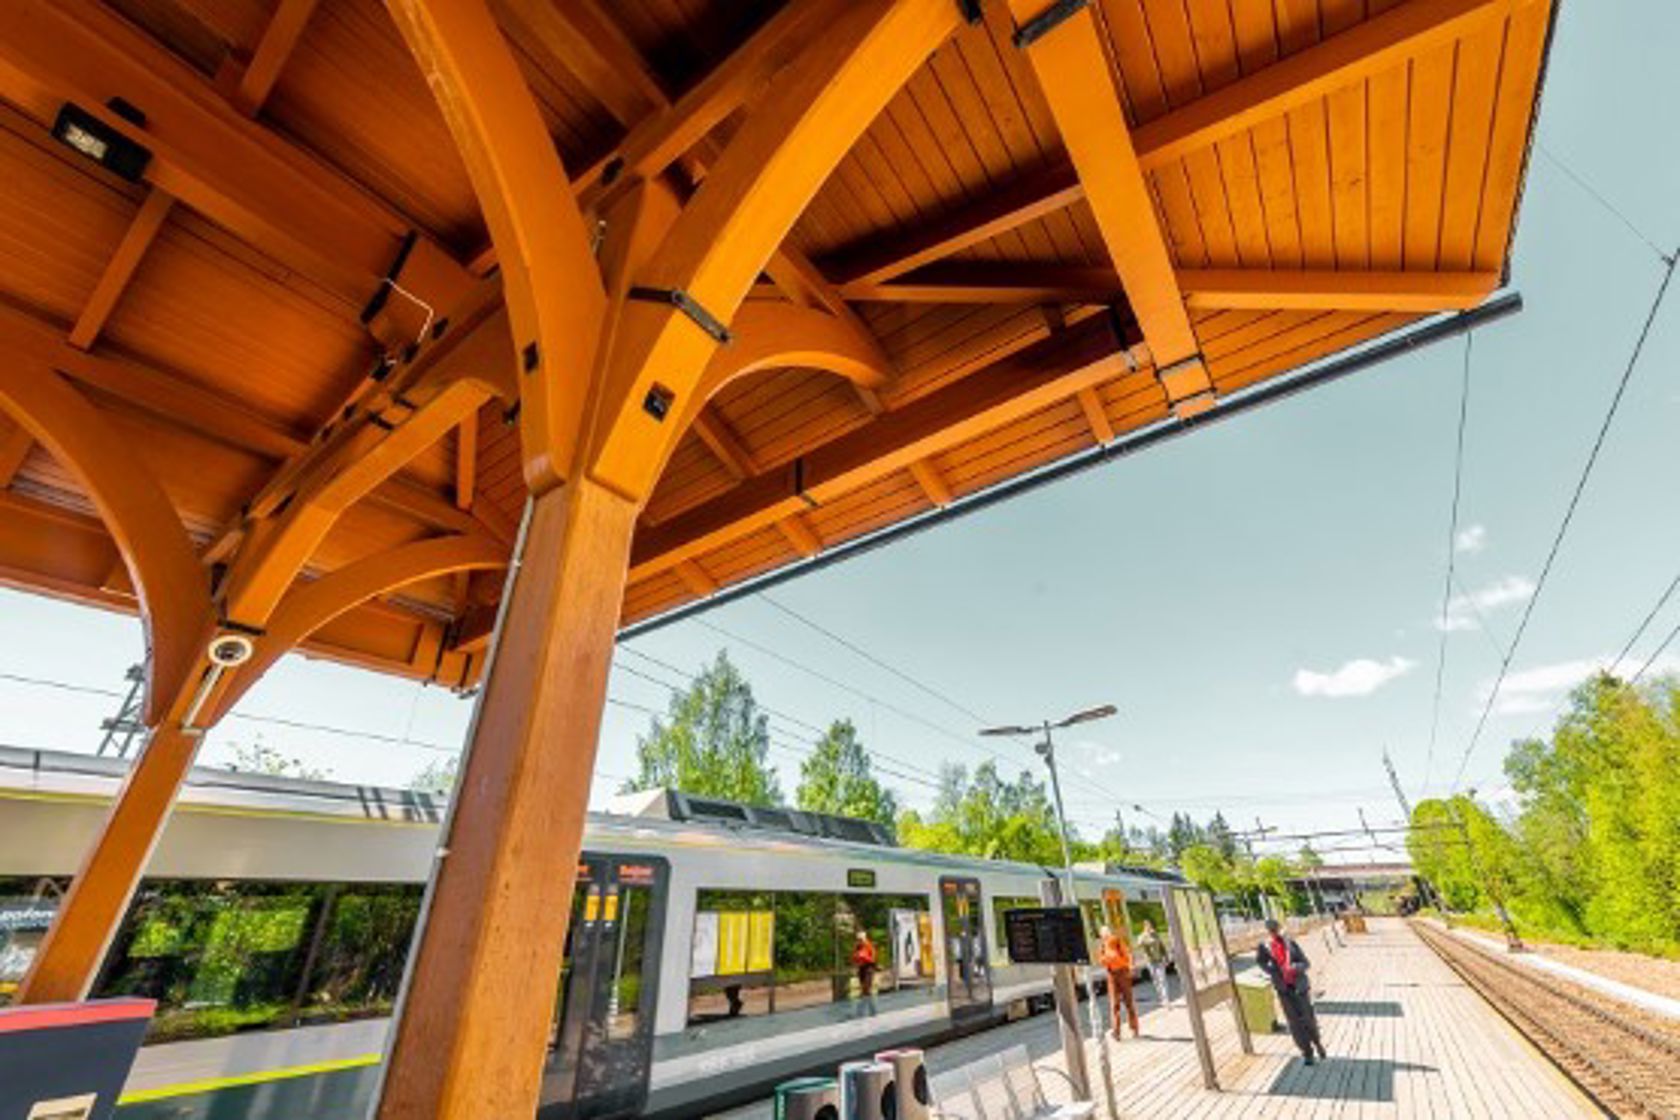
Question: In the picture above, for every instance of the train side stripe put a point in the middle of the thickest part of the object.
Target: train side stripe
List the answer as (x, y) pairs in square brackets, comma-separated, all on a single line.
[(211, 1085)]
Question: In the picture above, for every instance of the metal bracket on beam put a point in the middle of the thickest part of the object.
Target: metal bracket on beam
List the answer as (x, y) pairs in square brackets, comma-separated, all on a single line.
[(970, 11), (689, 306), (1047, 21), (376, 304)]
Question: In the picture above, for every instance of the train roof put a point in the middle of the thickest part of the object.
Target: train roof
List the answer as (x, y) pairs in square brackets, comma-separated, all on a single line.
[(62, 775)]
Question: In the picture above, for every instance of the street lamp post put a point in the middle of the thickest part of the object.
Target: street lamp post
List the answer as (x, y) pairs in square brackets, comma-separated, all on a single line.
[(1046, 749)]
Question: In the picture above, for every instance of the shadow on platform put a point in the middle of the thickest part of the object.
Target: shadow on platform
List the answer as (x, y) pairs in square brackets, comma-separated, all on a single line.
[(1342, 1079), (1373, 1008)]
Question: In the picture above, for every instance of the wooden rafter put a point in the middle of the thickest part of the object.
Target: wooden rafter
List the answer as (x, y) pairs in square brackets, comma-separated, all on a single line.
[(1079, 83), (119, 270), (584, 38), (933, 484), (1203, 289), (279, 38), (1096, 416), (1367, 48), (1085, 354), (799, 534), (208, 155), (714, 432)]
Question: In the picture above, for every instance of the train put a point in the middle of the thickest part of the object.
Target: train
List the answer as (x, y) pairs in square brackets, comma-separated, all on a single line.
[(713, 947)]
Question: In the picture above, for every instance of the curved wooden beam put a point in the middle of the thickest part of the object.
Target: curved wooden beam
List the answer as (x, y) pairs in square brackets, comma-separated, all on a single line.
[(555, 298), (277, 549), (172, 586), (776, 335), (797, 132), (310, 606)]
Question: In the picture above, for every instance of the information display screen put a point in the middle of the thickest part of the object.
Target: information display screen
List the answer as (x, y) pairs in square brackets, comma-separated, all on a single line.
[(1046, 935)]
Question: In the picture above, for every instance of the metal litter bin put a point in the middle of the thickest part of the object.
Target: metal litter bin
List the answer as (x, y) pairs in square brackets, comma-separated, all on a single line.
[(910, 1082), (808, 1098), (1259, 1009), (867, 1092)]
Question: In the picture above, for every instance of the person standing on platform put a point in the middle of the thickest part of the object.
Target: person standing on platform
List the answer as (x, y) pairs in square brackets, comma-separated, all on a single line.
[(1117, 962), (863, 959), (1282, 959), (1155, 956)]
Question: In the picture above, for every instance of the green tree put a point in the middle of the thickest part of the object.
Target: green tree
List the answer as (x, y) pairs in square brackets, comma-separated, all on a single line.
[(437, 776), (712, 741), (837, 778), (983, 815), (257, 757)]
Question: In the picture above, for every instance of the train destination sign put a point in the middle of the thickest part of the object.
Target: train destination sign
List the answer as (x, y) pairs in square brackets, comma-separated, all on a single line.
[(1046, 935)]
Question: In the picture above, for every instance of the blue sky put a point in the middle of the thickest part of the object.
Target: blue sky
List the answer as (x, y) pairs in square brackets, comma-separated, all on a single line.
[(1261, 601)]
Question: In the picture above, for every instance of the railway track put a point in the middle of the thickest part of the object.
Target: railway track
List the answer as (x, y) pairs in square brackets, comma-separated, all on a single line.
[(1627, 1060)]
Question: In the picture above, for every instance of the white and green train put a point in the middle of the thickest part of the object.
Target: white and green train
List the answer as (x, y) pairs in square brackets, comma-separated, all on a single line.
[(710, 953)]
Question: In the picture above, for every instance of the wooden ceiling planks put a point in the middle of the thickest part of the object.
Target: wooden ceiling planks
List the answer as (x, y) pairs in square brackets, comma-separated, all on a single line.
[(1415, 165)]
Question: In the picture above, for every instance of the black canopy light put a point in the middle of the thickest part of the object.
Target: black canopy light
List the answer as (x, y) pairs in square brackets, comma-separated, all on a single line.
[(79, 129)]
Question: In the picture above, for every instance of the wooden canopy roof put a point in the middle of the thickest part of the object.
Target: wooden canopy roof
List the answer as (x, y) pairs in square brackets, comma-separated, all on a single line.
[(1017, 252)]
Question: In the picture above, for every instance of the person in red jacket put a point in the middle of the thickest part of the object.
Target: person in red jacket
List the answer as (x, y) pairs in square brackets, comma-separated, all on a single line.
[(1117, 961), (863, 959)]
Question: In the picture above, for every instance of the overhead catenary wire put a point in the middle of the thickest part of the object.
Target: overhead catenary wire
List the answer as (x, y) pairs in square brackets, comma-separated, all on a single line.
[(1452, 559), (1569, 513), (1603, 200)]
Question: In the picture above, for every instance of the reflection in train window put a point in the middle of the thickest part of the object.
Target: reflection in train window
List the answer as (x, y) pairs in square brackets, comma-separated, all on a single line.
[(221, 957), (760, 953)]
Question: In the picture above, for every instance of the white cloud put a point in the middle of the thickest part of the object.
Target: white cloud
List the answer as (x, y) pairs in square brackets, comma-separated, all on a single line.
[(1471, 538), (1543, 687), (1464, 611), (1359, 677), (1097, 753)]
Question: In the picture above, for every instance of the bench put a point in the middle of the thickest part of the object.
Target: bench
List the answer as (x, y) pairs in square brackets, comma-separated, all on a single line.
[(1002, 1086)]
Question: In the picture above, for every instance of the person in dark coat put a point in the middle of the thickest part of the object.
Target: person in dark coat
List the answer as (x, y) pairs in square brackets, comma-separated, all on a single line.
[(1281, 959)]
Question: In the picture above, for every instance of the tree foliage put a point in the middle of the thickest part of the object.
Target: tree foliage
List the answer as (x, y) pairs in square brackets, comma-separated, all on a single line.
[(1593, 852), (257, 757), (713, 741), (984, 815), (838, 778)]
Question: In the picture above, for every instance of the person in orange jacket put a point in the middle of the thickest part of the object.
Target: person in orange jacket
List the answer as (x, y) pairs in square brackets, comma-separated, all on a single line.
[(863, 959), (1117, 962)]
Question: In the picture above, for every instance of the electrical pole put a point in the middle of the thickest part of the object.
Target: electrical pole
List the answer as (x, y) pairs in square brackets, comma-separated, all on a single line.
[(1047, 750), (1513, 941), (1406, 815)]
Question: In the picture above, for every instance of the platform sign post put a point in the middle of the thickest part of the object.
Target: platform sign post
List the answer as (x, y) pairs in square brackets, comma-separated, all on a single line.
[(1204, 969), (1067, 1008)]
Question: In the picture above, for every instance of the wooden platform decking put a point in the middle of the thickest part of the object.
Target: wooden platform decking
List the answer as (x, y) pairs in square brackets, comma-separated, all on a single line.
[(1407, 1040)]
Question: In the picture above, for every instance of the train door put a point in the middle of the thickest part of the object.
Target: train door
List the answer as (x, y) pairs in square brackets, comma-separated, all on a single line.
[(968, 979), (601, 1049)]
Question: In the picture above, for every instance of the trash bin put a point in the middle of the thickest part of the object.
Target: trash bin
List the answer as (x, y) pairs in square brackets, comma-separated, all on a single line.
[(866, 1091), (910, 1081), (1258, 1007), (808, 1098)]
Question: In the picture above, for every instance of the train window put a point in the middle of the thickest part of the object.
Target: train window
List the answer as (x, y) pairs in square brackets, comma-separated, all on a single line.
[(221, 957), (1001, 905), (731, 966), (787, 952)]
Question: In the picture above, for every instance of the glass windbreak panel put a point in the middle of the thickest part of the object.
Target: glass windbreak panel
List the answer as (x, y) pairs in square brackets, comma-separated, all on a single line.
[(27, 908), (731, 965)]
